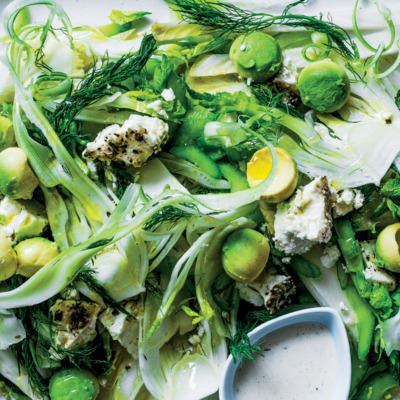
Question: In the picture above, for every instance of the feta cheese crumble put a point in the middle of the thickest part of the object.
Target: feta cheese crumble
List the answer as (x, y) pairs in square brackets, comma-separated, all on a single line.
[(132, 143), (124, 328), (330, 256), (305, 219), (346, 201), (168, 95), (157, 107), (287, 76)]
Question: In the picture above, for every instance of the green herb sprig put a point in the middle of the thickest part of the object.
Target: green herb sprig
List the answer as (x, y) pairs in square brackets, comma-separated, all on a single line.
[(231, 19), (87, 276), (169, 214), (98, 84)]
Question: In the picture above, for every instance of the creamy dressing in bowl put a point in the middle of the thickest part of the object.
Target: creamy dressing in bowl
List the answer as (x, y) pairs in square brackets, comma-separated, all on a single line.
[(297, 362), (306, 356)]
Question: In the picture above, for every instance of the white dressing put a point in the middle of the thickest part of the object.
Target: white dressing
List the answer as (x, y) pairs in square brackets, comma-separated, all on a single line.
[(299, 362)]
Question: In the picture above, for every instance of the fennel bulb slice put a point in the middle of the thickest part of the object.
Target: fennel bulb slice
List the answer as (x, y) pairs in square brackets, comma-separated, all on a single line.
[(348, 154)]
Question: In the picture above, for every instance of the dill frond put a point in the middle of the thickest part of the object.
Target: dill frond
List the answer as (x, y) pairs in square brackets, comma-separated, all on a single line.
[(267, 98), (169, 214), (26, 355), (87, 276), (26, 350), (98, 83), (123, 178), (39, 52), (228, 18), (240, 346), (96, 355)]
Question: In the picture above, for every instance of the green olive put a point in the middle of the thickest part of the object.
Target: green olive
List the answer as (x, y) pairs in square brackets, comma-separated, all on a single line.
[(17, 180), (324, 86), (256, 56), (73, 384), (245, 253), (8, 258), (33, 254), (387, 247)]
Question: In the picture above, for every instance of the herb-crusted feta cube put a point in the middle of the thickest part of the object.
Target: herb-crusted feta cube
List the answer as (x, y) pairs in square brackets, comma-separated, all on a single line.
[(270, 289), (75, 323), (130, 144)]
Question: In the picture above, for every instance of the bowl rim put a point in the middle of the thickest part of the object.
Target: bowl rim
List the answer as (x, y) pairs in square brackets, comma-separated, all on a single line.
[(326, 316)]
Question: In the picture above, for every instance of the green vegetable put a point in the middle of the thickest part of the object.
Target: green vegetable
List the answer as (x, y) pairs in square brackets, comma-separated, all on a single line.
[(33, 254), (387, 247), (305, 267), (122, 17), (207, 65), (348, 244), (195, 155), (17, 180), (189, 170), (121, 21), (54, 85), (7, 138), (375, 387), (222, 135), (256, 248), (11, 330), (8, 265), (324, 86), (334, 289), (73, 384), (256, 56), (11, 369), (22, 219), (193, 126), (234, 176)]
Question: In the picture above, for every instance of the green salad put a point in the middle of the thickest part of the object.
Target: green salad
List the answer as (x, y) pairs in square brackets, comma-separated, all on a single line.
[(165, 190)]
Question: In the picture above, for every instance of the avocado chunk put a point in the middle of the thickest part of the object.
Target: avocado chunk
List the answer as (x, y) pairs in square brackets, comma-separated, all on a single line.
[(17, 180), (73, 384), (256, 56), (245, 253), (324, 86), (387, 247), (8, 264), (21, 219), (33, 254)]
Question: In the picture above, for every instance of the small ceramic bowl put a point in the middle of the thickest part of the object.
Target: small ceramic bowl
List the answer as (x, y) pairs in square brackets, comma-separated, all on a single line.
[(323, 315)]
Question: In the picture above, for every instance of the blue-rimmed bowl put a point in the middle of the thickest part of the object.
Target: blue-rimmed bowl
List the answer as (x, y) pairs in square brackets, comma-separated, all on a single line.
[(323, 315)]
